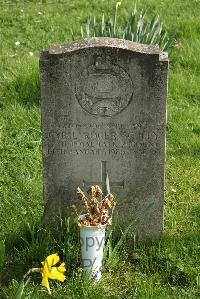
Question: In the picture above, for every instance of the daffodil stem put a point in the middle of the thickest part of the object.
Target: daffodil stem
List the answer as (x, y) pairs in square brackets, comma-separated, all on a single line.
[(32, 270)]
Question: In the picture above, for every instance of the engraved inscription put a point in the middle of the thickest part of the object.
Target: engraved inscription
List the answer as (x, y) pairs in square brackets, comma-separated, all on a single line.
[(112, 141), (106, 90)]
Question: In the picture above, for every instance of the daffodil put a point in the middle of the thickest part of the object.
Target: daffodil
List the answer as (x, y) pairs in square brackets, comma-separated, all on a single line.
[(50, 272), (118, 4)]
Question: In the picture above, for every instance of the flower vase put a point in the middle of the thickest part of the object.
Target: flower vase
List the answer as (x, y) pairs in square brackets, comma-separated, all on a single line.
[(92, 246)]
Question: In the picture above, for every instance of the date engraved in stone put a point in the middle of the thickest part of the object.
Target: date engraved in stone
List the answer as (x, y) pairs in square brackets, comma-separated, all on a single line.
[(105, 90), (107, 141)]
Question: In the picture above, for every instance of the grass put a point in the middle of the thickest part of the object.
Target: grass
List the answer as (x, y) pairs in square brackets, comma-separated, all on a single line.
[(167, 268), (137, 28)]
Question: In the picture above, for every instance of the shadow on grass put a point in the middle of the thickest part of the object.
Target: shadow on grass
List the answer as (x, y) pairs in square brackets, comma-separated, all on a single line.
[(32, 244), (193, 152), (172, 257), (23, 86)]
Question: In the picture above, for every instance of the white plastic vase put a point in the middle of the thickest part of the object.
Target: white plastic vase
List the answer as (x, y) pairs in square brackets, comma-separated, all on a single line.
[(92, 245)]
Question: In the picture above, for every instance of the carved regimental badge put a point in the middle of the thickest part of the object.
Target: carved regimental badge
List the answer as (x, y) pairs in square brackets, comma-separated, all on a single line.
[(105, 90)]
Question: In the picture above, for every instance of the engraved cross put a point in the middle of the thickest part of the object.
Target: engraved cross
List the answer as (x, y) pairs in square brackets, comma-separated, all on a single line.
[(105, 180)]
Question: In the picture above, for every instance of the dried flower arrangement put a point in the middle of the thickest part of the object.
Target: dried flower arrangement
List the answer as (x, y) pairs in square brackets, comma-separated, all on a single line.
[(96, 207)]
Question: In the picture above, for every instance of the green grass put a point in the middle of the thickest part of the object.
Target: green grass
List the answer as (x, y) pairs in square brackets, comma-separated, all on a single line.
[(136, 28), (167, 268)]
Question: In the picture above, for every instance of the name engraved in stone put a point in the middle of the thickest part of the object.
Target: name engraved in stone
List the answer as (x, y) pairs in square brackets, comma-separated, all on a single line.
[(89, 141)]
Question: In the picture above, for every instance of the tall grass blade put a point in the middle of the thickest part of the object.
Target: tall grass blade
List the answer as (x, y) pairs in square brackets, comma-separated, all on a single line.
[(88, 22), (169, 43), (154, 33), (3, 295), (117, 247), (139, 27), (153, 22), (72, 35), (108, 248), (20, 290), (110, 24), (94, 22), (107, 184), (102, 25), (82, 33), (2, 253)]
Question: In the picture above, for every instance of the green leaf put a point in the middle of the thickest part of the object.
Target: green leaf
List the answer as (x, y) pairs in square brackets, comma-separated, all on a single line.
[(72, 35), (102, 24), (94, 23), (168, 44), (82, 33), (112, 253), (88, 22), (138, 29), (20, 290)]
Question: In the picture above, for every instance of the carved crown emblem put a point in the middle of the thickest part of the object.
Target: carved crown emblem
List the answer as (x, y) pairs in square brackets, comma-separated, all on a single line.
[(106, 88)]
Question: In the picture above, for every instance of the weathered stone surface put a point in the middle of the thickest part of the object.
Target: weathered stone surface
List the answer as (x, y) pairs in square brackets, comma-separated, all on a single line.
[(104, 111)]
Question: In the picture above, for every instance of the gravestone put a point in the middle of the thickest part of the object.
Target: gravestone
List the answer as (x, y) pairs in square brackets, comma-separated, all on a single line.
[(104, 115)]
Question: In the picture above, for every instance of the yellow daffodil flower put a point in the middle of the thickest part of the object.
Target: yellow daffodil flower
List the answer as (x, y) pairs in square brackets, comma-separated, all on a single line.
[(50, 272), (118, 4)]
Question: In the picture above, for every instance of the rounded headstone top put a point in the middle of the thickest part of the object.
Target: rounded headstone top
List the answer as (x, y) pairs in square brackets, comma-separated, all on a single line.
[(108, 43)]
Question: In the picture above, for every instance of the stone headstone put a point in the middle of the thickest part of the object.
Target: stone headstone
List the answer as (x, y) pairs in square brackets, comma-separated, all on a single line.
[(104, 115)]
